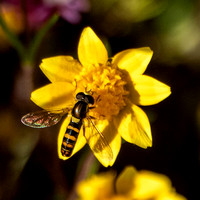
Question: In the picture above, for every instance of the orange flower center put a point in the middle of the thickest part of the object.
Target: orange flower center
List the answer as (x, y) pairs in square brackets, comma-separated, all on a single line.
[(107, 88)]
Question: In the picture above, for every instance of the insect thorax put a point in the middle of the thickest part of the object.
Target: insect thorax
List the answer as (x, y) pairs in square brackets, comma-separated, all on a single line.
[(80, 110)]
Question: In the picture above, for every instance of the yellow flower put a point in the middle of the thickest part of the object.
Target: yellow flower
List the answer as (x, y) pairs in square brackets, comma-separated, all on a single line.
[(117, 85), (130, 185)]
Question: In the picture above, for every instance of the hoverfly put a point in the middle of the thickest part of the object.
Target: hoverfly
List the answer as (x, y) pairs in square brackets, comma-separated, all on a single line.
[(79, 113)]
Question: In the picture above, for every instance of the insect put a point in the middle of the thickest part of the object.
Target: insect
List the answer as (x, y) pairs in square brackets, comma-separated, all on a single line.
[(79, 115)]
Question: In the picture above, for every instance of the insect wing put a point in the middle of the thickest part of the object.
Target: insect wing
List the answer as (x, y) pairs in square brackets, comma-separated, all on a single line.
[(97, 141), (41, 119)]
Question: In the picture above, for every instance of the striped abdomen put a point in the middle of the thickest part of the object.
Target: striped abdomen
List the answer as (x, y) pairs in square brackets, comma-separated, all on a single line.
[(70, 137)]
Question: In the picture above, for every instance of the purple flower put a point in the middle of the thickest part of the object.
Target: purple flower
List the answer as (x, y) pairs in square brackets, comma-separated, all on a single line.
[(38, 11)]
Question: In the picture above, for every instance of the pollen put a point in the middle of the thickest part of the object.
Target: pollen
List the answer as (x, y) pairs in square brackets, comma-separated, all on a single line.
[(107, 87)]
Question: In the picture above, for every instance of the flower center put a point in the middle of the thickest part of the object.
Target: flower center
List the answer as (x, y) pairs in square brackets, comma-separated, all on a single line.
[(107, 88)]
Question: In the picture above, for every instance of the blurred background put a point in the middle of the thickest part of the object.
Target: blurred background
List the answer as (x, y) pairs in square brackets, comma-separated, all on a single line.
[(29, 166)]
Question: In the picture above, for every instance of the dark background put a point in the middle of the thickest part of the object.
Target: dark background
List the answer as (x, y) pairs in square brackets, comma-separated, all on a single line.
[(29, 166)]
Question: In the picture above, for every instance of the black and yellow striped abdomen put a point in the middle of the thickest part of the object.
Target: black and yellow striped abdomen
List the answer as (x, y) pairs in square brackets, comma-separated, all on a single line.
[(79, 112), (70, 137)]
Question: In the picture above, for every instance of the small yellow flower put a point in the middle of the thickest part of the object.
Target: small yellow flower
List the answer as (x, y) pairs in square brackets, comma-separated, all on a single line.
[(117, 85), (130, 185)]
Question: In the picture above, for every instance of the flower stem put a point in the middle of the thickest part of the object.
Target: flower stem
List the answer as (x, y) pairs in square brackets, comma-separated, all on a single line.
[(88, 167), (40, 35), (28, 55), (23, 86), (13, 39)]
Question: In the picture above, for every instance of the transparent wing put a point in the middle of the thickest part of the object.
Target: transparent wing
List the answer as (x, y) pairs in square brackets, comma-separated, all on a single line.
[(42, 119), (97, 140)]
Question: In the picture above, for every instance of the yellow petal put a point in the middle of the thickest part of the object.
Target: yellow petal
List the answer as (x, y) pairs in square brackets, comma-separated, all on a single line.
[(171, 196), (135, 61), (148, 91), (54, 96), (60, 68), (107, 146), (150, 185), (124, 183), (134, 126), (98, 187), (91, 50), (79, 143)]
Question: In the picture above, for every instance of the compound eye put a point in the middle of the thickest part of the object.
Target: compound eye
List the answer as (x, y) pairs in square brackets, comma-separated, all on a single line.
[(89, 99), (80, 96)]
